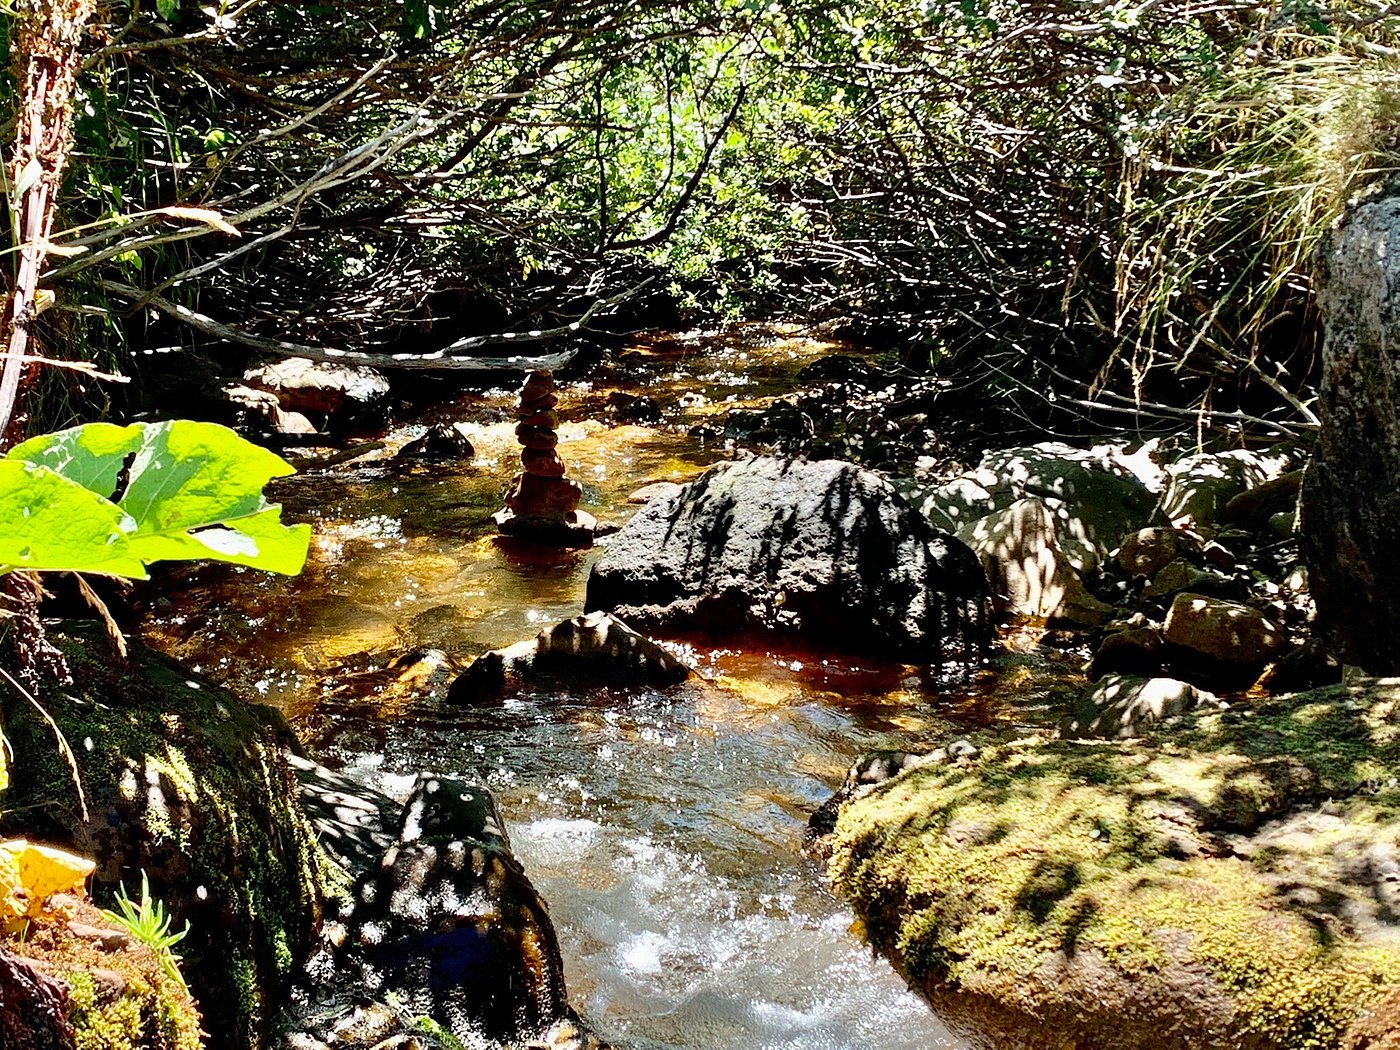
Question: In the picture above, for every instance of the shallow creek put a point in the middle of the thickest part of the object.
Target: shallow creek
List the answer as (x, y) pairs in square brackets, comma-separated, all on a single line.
[(664, 830)]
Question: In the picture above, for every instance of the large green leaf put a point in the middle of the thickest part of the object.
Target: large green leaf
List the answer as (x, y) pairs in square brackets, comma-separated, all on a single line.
[(92, 454), (49, 522), (190, 477), (191, 490)]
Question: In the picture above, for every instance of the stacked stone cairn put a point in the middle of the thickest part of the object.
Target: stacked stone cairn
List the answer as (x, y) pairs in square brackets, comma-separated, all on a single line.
[(542, 504)]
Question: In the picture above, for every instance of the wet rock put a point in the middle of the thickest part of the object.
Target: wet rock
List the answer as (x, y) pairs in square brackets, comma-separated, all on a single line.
[(1029, 572), (443, 441), (183, 782), (33, 1007), (782, 424), (843, 368), (351, 820), (1224, 631), (449, 925), (823, 553), (260, 410), (338, 395), (592, 649), (633, 408), (1147, 551), (1120, 706)]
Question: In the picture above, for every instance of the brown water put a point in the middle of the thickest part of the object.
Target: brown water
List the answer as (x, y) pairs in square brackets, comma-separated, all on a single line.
[(663, 829)]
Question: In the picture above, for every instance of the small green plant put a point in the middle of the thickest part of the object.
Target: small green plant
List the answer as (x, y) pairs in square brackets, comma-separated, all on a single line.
[(147, 921)]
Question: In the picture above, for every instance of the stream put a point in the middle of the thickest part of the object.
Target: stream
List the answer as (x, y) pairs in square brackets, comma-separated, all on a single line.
[(663, 828)]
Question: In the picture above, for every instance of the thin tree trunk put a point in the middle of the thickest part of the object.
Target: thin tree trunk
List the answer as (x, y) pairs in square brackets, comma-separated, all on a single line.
[(47, 60)]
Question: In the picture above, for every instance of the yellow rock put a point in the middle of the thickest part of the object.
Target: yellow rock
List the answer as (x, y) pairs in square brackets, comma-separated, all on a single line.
[(30, 875)]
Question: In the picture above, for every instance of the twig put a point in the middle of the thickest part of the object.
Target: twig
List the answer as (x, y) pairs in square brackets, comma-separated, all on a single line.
[(62, 741), (86, 367)]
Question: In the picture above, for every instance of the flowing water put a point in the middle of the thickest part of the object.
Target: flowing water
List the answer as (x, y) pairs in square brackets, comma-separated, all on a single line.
[(663, 828)]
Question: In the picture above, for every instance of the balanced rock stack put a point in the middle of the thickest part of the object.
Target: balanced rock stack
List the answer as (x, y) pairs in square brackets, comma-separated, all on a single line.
[(542, 504)]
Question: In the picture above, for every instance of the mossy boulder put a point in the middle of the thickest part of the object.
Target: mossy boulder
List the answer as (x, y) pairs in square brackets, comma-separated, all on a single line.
[(1233, 884), (183, 782), (117, 993)]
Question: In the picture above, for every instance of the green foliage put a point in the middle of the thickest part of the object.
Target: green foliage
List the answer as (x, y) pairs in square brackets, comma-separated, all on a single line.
[(111, 499), (146, 920)]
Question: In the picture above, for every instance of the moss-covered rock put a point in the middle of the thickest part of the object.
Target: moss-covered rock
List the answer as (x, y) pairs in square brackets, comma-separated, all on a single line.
[(119, 993), (1232, 885), (183, 782)]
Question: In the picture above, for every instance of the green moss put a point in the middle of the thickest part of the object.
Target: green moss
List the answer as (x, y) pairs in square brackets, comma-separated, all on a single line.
[(150, 1013), (183, 782), (980, 876)]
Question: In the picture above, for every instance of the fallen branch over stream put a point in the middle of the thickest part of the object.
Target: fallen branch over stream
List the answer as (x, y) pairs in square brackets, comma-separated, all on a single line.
[(443, 360)]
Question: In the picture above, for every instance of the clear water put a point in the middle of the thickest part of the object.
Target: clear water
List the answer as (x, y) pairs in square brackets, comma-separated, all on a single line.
[(664, 829)]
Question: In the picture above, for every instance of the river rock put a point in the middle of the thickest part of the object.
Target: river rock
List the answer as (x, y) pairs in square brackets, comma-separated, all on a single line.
[(1161, 895), (1129, 650), (184, 783), (1097, 495), (443, 441), (1200, 487), (336, 394), (633, 408), (33, 1007), (1120, 706), (592, 649), (1148, 551), (1181, 575), (1224, 631), (261, 410), (1029, 572), (1253, 508), (823, 553), (1350, 503), (448, 924)]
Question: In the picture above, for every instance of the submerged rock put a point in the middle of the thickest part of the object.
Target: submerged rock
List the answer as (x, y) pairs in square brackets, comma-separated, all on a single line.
[(1224, 887), (592, 649), (820, 553)]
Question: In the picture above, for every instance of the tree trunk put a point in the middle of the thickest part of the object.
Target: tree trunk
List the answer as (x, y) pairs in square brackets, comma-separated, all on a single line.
[(1350, 522)]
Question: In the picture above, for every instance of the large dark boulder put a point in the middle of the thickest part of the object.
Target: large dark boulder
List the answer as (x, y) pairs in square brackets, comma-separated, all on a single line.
[(447, 923), (1350, 511), (822, 554)]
